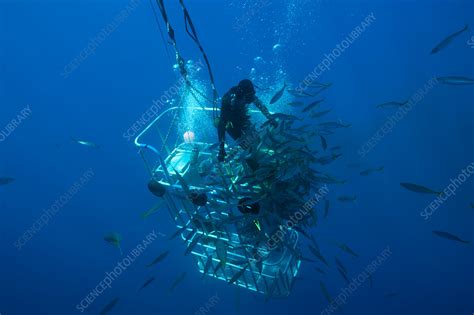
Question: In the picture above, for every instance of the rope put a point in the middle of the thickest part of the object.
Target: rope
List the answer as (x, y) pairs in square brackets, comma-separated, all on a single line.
[(161, 32), (191, 30), (193, 34)]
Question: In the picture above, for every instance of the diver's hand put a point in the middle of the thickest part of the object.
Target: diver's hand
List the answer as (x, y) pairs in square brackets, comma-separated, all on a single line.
[(221, 155)]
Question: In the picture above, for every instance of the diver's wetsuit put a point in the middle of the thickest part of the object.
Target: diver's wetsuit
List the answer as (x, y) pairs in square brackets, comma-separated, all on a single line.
[(234, 116)]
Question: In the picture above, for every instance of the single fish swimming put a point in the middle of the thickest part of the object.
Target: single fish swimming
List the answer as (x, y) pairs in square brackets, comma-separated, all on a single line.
[(325, 292), (278, 95), (340, 265), (114, 239), (324, 143), (371, 170), (450, 236), (109, 306), (158, 259), (445, 42), (419, 189), (152, 210), (86, 143), (193, 244), (6, 180), (221, 252), (147, 283), (176, 282), (281, 116), (347, 249), (207, 267), (453, 80), (178, 232), (238, 274), (312, 105)]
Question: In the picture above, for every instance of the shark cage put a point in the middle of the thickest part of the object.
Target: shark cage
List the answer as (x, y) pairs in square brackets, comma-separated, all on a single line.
[(213, 204)]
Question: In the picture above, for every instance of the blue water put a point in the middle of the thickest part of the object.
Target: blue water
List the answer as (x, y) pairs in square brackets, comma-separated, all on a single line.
[(111, 89)]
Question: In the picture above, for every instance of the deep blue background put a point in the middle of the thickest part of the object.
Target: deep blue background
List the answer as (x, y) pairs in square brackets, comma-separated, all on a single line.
[(113, 87)]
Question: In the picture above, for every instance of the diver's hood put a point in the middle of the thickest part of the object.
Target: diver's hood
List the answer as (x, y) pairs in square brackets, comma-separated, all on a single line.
[(246, 88)]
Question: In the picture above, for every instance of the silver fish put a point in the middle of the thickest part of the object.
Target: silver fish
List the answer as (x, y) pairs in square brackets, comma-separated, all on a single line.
[(207, 266), (177, 282), (178, 232), (340, 265), (109, 306), (158, 259), (324, 143), (114, 239), (445, 42), (348, 250), (193, 244), (86, 143), (452, 80), (147, 283), (325, 292), (281, 116), (221, 251), (371, 170), (312, 105), (450, 236), (238, 274), (419, 189), (278, 95)]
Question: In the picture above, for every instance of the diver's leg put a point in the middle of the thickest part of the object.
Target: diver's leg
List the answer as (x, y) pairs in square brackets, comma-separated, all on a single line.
[(235, 133)]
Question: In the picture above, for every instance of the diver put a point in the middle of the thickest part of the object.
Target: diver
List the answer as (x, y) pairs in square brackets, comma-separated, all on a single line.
[(234, 116)]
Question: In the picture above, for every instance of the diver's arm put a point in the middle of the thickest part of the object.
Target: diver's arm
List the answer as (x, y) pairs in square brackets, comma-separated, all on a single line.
[(259, 104)]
